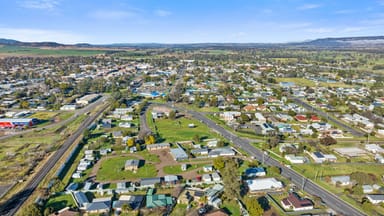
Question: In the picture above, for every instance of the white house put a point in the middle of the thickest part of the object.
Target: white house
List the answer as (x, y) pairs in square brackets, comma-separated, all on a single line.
[(263, 184), (374, 148), (296, 159), (375, 198)]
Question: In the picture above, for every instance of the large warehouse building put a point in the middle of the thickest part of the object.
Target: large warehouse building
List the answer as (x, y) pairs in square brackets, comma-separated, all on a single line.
[(17, 122)]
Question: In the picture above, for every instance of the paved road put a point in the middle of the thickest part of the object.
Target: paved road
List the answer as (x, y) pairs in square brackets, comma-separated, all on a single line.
[(144, 128), (13, 205), (86, 109), (307, 185), (309, 107)]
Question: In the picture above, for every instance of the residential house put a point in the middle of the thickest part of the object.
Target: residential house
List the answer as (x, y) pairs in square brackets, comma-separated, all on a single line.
[(171, 179), (81, 199), (159, 146), (106, 123), (206, 178), (342, 180), (132, 165), (216, 177), (178, 153), (150, 182), (296, 159), (296, 203), (254, 172), (208, 168), (374, 148), (319, 157), (367, 189), (301, 118), (379, 158), (263, 184), (157, 200), (226, 151), (134, 201), (199, 151), (99, 205), (375, 198)]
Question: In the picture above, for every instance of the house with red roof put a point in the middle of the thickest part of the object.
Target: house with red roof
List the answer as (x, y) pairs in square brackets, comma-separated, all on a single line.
[(301, 118), (315, 118), (296, 203)]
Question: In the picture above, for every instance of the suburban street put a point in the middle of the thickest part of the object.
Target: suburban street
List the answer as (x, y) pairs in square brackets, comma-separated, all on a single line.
[(307, 185), (342, 125), (14, 204)]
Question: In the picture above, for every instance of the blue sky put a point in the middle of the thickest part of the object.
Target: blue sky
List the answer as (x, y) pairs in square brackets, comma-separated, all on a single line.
[(188, 21)]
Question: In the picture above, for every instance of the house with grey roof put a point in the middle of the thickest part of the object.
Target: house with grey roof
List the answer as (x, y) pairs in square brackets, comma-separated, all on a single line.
[(150, 182), (81, 199), (178, 153), (342, 180), (132, 165), (226, 151), (134, 201), (375, 198), (99, 205)]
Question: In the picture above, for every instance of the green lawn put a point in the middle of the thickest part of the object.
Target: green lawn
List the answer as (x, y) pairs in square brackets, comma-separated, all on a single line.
[(178, 130), (231, 207), (60, 202), (19, 50), (149, 157), (113, 169), (176, 169), (332, 169), (179, 209), (297, 81)]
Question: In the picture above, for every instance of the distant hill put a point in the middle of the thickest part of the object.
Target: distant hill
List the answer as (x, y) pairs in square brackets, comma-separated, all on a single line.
[(369, 42), (346, 42)]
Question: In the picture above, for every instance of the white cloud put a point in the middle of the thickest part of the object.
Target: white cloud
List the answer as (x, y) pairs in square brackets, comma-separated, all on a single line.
[(351, 29), (113, 14), (40, 4), (41, 35), (345, 12), (319, 30), (308, 6), (162, 13)]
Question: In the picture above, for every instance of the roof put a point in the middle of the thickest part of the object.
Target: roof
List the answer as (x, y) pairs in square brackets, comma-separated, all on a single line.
[(80, 198), (377, 197), (342, 179), (178, 153), (157, 200), (318, 154), (170, 178), (99, 206), (254, 170), (149, 181), (132, 162), (263, 184), (296, 201), (133, 200)]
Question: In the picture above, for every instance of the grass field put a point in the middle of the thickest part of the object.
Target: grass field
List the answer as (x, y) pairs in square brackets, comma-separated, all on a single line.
[(333, 169), (176, 169), (113, 169), (179, 209), (34, 51), (178, 130), (297, 81), (231, 207), (60, 202)]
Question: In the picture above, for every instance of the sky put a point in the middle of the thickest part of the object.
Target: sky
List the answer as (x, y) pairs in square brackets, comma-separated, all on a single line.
[(188, 21)]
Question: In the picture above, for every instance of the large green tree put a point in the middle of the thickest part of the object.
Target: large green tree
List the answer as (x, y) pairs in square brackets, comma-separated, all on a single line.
[(253, 206)]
